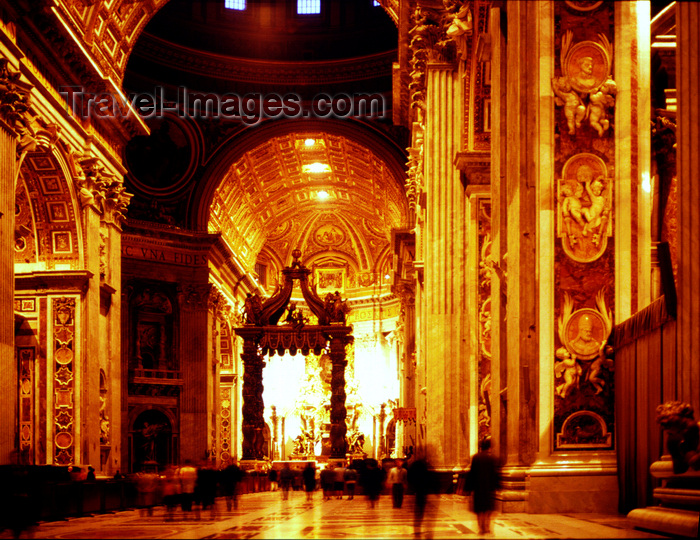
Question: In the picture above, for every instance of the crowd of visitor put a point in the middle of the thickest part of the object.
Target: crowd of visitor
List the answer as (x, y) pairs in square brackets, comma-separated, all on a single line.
[(189, 490)]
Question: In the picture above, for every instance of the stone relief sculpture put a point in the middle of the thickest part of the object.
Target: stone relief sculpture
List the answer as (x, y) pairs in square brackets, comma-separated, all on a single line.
[(585, 207), (461, 26), (600, 102), (584, 336), (569, 370), (574, 109), (586, 89), (682, 434)]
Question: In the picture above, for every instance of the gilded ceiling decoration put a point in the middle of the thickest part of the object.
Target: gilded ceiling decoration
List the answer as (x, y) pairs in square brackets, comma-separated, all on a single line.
[(108, 28), (271, 199)]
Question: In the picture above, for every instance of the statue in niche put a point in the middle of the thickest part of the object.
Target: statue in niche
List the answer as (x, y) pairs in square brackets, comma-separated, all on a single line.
[(150, 432), (682, 434), (104, 421)]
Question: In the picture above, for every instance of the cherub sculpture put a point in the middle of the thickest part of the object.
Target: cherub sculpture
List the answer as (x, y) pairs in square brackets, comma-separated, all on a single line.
[(600, 100), (569, 370), (574, 109), (682, 434), (596, 370)]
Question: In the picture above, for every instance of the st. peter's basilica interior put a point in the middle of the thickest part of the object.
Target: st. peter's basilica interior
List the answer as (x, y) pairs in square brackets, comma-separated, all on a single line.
[(283, 230)]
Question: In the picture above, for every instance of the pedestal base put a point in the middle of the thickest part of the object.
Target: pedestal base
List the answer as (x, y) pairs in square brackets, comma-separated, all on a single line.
[(671, 521)]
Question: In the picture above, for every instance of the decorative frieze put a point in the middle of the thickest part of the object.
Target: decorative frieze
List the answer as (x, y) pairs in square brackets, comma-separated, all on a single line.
[(64, 369)]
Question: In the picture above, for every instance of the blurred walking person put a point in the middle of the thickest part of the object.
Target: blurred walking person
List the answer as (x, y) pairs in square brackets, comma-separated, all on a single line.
[(231, 477), (420, 479), (338, 480), (188, 483), (350, 478), (397, 481), (484, 479), (272, 476), (327, 481), (309, 474), (372, 480), (206, 484), (171, 493), (286, 477)]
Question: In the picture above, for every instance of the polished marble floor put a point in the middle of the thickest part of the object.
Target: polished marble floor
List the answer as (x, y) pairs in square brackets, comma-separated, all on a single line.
[(267, 515)]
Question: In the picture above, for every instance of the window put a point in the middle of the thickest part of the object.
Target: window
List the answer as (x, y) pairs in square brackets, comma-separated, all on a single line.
[(308, 7), (261, 270), (235, 4)]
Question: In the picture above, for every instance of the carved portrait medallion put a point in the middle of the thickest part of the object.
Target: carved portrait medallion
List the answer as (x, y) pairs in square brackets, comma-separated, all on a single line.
[(587, 66), (584, 216), (584, 333)]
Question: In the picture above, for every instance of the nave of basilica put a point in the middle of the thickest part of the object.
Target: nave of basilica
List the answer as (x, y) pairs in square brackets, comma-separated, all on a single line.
[(286, 230)]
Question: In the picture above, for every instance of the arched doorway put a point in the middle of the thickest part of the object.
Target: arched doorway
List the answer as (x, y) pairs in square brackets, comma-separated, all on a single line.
[(151, 441)]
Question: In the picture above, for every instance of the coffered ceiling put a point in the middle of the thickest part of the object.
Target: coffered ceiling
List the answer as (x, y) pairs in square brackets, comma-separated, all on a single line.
[(270, 202)]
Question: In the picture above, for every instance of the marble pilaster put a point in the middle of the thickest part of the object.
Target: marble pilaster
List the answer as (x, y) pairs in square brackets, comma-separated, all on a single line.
[(521, 197), (8, 364), (447, 435), (499, 245), (194, 430), (688, 168), (94, 345), (112, 305)]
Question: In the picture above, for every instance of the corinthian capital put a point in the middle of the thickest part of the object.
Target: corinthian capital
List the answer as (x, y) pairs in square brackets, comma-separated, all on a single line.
[(102, 190), (15, 96)]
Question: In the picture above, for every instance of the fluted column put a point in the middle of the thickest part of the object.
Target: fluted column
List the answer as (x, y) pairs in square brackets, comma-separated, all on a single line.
[(688, 166), (8, 363), (94, 346), (194, 347), (447, 439)]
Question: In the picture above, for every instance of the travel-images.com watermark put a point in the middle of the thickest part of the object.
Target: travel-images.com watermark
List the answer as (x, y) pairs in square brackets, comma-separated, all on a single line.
[(249, 108)]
